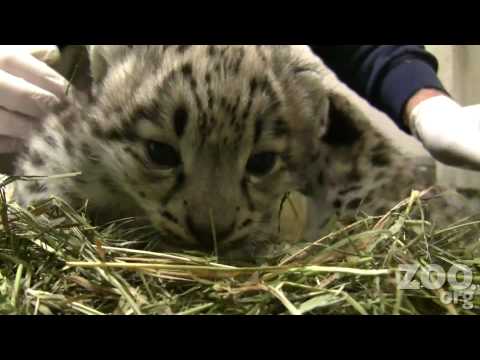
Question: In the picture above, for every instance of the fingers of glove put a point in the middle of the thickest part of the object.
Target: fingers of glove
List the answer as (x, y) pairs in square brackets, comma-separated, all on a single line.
[(21, 96), (15, 125), (46, 53), (49, 54), (466, 147), (32, 70), (456, 141)]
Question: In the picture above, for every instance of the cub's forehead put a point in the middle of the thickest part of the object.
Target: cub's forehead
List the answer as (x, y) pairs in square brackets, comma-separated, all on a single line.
[(217, 87), (200, 75), (227, 60)]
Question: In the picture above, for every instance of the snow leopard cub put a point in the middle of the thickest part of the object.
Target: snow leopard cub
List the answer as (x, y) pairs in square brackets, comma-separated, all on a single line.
[(204, 141), (195, 138)]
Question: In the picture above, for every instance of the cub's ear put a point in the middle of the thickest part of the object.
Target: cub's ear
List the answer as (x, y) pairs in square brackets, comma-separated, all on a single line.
[(349, 120), (103, 56), (342, 118), (344, 129), (316, 98), (299, 63)]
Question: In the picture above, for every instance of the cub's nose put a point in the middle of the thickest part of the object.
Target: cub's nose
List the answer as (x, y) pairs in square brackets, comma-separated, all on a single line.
[(203, 232)]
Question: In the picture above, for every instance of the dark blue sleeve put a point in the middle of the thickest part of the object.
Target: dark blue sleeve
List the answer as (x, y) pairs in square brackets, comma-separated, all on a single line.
[(386, 75)]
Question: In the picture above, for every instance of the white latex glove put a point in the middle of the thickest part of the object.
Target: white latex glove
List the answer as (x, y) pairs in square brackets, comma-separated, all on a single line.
[(450, 132), (28, 89)]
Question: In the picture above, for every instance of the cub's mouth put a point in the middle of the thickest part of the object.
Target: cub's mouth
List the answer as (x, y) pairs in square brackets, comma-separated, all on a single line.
[(286, 227)]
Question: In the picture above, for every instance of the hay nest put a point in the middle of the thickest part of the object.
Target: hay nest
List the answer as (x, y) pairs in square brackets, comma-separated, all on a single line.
[(53, 261)]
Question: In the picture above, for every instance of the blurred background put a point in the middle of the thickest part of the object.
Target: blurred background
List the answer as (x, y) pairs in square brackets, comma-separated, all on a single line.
[(460, 71)]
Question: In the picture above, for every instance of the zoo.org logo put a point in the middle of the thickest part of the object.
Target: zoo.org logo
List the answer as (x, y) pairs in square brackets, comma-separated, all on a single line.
[(434, 277)]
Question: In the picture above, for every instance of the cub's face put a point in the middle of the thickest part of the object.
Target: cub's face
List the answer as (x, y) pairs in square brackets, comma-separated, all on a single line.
[(207, 140)]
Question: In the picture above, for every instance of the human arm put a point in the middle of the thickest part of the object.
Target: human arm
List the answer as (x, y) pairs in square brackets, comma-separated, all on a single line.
[(401, 80)]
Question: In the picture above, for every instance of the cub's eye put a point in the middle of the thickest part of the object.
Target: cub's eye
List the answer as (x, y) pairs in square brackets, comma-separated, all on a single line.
[(164, 155), (261, 164)]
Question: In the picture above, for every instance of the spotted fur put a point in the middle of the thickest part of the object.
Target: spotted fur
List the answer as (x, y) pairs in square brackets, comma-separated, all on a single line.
[(209, 110)]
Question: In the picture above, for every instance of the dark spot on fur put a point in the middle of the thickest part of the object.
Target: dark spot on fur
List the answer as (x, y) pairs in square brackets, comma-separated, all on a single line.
[(244, 187), (380, 176), (380, 147), (36, 159), (50, 140), (236, 66), (260, 53), (135, 155), (96, 130), (198, 102), (267, 88), (258, 130), (380, 159), (369, 198), (108, 184), (183, 48), (187, 70), (193, 84), (223, 102), (300, 69), (337, 204), (349, 190), (124, 134), (235, 106), (35, 187), (382, 210), (253, 86), (68, 145), (246, 112), (355, 175), (180, 119), (246, 223), (180, 180), (354, 204), (212, 50), (68, 124), (86, 150), (148, 111), (321, 179), (280, 128), (170, 217), (308, 189)]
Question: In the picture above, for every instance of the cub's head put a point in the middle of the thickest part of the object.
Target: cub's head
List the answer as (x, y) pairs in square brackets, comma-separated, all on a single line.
[(208, 139)]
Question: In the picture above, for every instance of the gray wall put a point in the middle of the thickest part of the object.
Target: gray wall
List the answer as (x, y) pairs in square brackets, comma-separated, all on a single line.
[(460, 73)]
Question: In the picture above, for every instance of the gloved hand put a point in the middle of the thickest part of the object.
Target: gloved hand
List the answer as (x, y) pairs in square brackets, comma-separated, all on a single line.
[(450, 132), (28, 89)]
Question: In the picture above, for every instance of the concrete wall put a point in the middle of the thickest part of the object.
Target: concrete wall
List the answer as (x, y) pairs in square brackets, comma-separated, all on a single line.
[(460, 73)]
